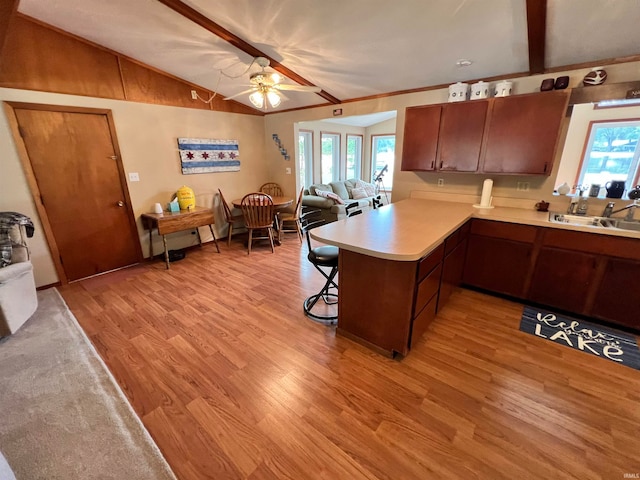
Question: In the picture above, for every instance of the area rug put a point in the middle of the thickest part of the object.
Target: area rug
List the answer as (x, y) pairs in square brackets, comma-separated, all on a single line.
[(594, 339), (62, 415)]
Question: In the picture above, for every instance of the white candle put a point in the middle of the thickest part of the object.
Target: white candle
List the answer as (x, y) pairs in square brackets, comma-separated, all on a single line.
[(485, 200)]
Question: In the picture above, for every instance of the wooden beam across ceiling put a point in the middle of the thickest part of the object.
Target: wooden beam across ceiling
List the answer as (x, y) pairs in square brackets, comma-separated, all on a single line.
[(206, 23), (536, 29)]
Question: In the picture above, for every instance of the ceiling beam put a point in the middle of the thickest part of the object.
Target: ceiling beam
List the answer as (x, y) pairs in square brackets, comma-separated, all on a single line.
[(206, 23), (8, 8), (536, 29)]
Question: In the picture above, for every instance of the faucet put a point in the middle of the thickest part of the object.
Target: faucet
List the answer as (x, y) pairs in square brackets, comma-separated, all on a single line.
[(608, 210)]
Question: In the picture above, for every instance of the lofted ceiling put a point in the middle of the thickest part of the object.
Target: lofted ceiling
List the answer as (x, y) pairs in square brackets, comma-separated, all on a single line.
[(350, 48)]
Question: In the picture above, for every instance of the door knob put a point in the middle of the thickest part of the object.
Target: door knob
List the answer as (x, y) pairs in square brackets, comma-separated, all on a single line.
[(120, 203)]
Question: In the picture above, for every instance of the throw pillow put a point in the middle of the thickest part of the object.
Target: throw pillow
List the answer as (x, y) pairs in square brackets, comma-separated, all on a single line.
[(358, 193), (369, 188), (314, 189), (331, 195)]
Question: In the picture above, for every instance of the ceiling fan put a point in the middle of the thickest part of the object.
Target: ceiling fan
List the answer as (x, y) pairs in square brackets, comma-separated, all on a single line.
[(266, 87)]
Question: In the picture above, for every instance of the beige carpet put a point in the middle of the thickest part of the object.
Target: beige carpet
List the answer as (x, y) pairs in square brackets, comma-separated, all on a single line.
[(62, 415)]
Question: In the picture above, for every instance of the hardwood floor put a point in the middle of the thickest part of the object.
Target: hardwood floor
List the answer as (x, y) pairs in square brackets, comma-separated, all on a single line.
[(233, 381)]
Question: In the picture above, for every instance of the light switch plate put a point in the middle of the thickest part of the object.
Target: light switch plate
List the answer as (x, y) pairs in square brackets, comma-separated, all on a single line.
[(287, 171), (134, 177)]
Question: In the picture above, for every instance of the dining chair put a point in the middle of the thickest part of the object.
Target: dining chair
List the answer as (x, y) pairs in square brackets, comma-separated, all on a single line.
[(258, 211), (272, 189), (290, 221), (230, 217)]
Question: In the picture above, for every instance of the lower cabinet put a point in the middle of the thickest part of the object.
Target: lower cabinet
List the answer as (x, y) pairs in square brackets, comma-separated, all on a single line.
[(499, 256), (388, 304), (563, 278), (453, 263), (617, 298), (582, 273)]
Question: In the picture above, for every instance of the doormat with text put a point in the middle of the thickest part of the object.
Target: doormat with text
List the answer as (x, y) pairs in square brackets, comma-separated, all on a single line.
[(596, 340)]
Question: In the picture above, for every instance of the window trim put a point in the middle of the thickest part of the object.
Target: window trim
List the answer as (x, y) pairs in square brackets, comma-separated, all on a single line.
[(309, 168), (371, 163), (359, 161), (635, 176), (336, 158)]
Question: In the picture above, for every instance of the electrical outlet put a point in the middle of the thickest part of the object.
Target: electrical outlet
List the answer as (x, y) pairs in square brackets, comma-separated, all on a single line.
[(441, 182), (287, 171), (134, 177), (194, 95), (522, 186)]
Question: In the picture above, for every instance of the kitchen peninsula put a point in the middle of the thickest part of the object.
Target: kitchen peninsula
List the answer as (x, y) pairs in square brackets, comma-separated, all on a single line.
[(399, 263)]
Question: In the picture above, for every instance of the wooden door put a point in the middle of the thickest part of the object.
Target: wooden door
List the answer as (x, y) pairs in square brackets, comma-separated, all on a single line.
[(523, 132), (420, 143), (80, 182), (461, 131)]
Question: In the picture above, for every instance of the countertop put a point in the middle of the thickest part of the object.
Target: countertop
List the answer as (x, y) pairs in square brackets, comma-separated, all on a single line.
[(410, 229)]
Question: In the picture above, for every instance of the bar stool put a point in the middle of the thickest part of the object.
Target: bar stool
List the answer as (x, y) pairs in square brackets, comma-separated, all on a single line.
[(323, 258)]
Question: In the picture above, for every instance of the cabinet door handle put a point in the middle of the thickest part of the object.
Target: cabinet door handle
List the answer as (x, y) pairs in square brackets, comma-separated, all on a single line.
[(432, 163), (546, 164), (441, 162)]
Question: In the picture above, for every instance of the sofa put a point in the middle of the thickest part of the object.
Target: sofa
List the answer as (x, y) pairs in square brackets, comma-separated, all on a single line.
[(18, 298), (332, 199)]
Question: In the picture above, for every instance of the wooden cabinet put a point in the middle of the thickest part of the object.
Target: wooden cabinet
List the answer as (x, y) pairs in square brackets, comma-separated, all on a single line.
[(421, 128), (576, 272), (563, 278), (616, 298), (444, 137), (455, 251), (509, 135), (499, 256), (523, 132), (460, 139), (388, 304)]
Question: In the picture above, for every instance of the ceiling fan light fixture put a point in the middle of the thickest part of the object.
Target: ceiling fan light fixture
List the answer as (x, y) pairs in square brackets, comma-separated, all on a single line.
[(257, 99), (274, 98)]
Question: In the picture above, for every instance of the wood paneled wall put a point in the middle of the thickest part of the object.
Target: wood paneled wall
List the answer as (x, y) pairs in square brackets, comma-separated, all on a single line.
[(39, 57)]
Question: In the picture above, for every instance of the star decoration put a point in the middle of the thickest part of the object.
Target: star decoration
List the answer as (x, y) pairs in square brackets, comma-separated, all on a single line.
[(189, 155), (232, 155), (205, 155), (221, 155)]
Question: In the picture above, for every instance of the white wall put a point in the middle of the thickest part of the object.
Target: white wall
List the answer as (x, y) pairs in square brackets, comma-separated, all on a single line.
[(147, 136)]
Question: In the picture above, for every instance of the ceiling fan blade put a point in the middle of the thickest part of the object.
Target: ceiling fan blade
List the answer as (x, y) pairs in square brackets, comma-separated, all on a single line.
[(240, 94), (297, 88)]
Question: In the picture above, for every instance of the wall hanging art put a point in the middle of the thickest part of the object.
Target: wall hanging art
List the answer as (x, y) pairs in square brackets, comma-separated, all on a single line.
[(206, 155)]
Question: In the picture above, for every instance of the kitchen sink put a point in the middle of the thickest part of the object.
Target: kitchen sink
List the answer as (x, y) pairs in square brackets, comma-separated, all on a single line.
[(593, 221), (577, 219), (621, 223)]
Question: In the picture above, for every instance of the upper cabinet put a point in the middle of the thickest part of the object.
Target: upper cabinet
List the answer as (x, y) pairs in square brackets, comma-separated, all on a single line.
[(508, 135), (461, 130), (522, 133), (421, 127)]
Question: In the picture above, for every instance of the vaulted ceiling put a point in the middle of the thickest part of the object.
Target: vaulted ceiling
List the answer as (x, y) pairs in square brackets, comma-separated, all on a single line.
[(352, 48)]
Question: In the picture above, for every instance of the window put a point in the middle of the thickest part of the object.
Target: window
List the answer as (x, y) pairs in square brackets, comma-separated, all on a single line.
[(383, 148), (611, 153), (354, 155), (305, 158), (330, 161)]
